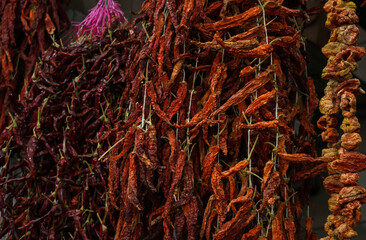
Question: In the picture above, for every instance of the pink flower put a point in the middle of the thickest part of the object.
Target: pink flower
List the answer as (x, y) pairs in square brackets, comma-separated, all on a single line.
[(100, 17)]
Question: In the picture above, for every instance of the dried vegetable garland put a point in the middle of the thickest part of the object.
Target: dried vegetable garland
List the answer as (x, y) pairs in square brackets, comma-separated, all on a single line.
[(195, 127), (143, 117), (27, 28), (342, 53), (53, 184), (213, 153)]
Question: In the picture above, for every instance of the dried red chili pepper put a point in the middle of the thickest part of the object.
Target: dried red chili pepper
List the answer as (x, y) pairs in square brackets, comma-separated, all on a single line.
[(243, 93), (176, 104), (236, 168), (208, 162), (207, 215), (301, 157), (269, 190), (233, 21), (260, 101), (252, 234), (152, 95), (191, 214), (278, 223), (209, 224), (226, 229), (218, 189), (290, 229)]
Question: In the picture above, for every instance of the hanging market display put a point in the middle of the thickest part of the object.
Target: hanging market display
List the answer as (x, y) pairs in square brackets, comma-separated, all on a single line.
[(53, 184), (214, 152), (192, 122)]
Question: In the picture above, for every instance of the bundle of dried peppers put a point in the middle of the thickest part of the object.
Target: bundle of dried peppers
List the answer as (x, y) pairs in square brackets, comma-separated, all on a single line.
[(342, 53), (196, 126), (27, 28), (53, 184), (220, 107)]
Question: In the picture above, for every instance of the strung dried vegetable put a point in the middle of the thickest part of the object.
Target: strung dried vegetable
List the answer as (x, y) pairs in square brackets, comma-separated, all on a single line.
[(54, 183), (342, 53), (27, 29), (215, 82), (195, 126)]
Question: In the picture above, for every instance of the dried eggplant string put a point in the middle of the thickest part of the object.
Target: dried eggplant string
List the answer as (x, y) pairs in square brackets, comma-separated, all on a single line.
[(346, 196)]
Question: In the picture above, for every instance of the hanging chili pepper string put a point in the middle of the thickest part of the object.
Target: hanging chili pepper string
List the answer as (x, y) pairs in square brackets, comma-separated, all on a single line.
[(276, 108), (193, 85), (144, 98), (183, 80), (274, 82), (249, 158), (258, 70), (218, 116), (191, 97)]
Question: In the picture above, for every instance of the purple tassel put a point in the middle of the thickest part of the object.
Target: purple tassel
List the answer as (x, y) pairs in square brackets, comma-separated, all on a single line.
[(100, 17)]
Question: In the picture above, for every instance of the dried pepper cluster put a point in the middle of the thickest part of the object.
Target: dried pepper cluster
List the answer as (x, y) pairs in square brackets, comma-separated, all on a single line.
[(52, 182), (342, 53), (221, 130), (26, 30), (195, 127)]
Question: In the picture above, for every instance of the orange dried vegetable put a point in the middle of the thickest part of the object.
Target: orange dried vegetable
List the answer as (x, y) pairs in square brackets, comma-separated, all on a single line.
[(270, 189), (290, 229), (252, 234), (243, 93), (236, 168), (233, 21), (260, 101), (229, 226), (342, 56), (299, 176), (218, 189), (278, 224), (349, 162), (262, 125), (208, 162), (301, 157)]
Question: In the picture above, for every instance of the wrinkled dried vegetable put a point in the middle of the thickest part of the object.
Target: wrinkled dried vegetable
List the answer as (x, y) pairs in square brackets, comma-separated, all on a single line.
[(194, 126), (339, 99)]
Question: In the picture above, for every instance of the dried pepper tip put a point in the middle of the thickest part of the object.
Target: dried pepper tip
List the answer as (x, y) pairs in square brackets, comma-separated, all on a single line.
[(100, 18)]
